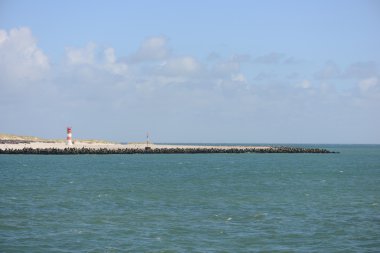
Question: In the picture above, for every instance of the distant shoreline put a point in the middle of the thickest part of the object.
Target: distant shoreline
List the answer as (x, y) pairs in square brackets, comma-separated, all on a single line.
[(60, 148), (14, 144)]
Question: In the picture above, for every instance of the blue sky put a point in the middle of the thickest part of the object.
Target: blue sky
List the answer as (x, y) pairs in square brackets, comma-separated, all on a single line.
[(194, 71)]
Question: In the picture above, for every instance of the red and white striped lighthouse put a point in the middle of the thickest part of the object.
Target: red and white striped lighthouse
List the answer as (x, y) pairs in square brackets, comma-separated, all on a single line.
[(68, 139)]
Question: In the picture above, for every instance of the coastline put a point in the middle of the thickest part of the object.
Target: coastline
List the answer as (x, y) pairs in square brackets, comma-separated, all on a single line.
[(47, 148)]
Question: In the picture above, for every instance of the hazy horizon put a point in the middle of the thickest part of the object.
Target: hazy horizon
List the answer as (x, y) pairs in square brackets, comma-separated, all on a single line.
[(302, 72)]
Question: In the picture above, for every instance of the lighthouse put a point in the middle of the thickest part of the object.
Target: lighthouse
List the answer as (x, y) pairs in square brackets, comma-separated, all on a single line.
[(68, 139)]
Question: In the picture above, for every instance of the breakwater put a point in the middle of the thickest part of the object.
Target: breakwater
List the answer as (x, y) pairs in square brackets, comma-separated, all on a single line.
[(176, 150)]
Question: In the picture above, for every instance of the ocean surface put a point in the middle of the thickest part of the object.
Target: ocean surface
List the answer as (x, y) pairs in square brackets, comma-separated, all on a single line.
[(192, 203)]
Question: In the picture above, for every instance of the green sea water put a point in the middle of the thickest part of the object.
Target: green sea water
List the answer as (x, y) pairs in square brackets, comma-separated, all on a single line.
[(192, 203)]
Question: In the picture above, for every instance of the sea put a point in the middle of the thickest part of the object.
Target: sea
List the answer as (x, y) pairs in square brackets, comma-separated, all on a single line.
[(192, 202)]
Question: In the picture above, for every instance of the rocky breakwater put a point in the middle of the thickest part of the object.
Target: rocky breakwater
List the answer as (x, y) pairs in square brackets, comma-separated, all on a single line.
[(161, 150)]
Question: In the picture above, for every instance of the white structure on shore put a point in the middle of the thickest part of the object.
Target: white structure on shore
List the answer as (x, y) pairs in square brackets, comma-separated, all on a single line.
[(68, 139)]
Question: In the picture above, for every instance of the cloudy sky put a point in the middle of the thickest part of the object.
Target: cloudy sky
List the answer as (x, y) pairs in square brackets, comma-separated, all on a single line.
[(192, 71)]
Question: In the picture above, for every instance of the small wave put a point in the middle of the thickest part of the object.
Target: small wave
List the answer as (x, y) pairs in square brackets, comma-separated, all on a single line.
[(76, 231), (260, 215)]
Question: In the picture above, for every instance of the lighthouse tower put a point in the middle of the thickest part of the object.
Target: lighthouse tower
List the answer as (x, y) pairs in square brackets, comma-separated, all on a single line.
[(68, 139)]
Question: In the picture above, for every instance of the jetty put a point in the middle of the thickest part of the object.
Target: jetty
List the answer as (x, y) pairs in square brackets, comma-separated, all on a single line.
[(13, 144), (38, 148)]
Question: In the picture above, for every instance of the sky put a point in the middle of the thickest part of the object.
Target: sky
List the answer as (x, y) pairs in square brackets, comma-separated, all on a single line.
[(192, 71)]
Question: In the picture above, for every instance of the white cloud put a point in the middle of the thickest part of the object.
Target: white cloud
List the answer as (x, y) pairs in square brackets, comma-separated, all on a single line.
[(89, 62), (158, 89), (20, 58), (264, 76), (84, 55), (241, 58), (112, 65), (213, 56), (3, 36), (272, 58), (304, 84), (238, 78), (292, 60), (355, 71), (226, 68), (152, 49), (329, 71), (361, 70), (109, 55), (368, 84), (181, 66)]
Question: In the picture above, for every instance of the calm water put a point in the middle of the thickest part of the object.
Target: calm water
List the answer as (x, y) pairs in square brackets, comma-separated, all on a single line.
[(192, 203)]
